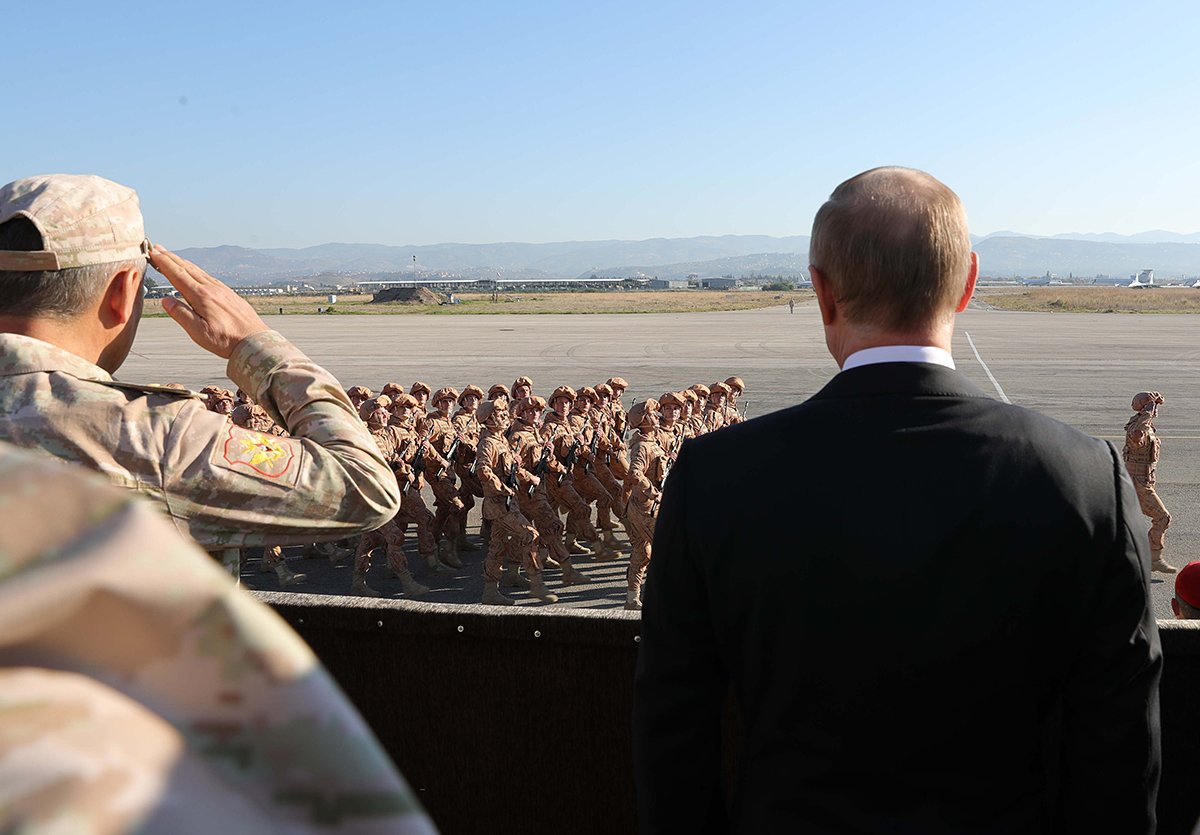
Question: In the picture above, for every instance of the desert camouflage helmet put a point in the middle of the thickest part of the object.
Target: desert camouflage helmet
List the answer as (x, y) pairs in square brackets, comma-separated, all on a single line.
[(445, 393), (475, 390), (689, 395), (671, 398), (1144, 399), (604, 390), (404, 401), (379, 401), (358, 391), (491, 413), (563, 391), (418, 386), (701, 390), (522, 381), (82, 219), (589, 393), (378, 418), (638, 414), (497, 390), (719, 388), (532, 402), (736, 384), (391, 389), (617, 383)]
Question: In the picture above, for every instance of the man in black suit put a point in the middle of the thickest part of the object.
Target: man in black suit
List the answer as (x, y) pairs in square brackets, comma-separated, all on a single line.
[(966, 572)]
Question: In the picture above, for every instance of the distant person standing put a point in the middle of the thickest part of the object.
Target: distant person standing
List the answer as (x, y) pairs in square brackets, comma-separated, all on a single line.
[(791, 305), (1141, 459)]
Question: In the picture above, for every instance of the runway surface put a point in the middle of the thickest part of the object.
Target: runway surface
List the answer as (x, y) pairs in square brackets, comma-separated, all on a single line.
[(1082, 369)]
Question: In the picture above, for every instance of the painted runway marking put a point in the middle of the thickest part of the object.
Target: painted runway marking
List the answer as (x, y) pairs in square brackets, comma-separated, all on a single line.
[(987, 370)]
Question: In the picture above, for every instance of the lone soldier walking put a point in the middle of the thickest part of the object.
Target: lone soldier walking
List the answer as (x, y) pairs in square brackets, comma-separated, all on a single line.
[(1141, 458)]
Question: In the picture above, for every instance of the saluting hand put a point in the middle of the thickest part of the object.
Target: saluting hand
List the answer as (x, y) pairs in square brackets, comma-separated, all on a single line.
[(215, 317)]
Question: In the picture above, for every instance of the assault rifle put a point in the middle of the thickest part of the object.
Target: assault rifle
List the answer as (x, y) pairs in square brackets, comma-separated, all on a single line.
[(449, 455), (587, 465), (511, 481), (569, 461), (540, 469), (666, 471)]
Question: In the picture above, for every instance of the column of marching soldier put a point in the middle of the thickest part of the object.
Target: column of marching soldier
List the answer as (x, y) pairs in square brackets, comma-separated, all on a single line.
[(532, 460)]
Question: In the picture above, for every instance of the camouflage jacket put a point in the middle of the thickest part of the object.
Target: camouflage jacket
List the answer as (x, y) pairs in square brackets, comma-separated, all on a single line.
[(224, 485), (140, 691)]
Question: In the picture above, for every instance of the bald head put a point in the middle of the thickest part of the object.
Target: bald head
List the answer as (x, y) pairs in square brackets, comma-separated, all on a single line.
[(892, 244)]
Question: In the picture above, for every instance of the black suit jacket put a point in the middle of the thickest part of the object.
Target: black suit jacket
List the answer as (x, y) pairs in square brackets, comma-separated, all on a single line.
[(901, 580)]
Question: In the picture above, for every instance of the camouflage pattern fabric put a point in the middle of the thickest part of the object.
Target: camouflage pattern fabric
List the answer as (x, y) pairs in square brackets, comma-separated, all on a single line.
[(224, 485), (140, 691)]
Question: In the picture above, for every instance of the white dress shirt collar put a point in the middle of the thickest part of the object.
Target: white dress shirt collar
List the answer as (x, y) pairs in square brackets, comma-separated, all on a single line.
[(899, 353)]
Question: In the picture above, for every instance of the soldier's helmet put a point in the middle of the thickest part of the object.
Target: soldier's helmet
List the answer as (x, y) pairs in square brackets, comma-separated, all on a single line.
[(671, 398), (1145, 399), (418, 386), (617, 383), (689, 395), (563, 391), (404, 401), (447, 393), (492, 413), (719, 388), (523, 381), (379, 401), (589, 393), (604, 390), (475, 390), (532, 402), (736, 384), (209, 391), (391, 390), (701, 390), (498, 390), (361, 392), (639, 413)]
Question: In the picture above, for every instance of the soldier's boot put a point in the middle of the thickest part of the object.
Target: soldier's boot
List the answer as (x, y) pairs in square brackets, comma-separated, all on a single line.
[(574, 548), (633, 599), (435, 565), (538, 589), (461, 543), (410, 586), (492, 595), (1157, 563), (572, 576), (511, 578), (605, 552), (286, 577), (359, 586), (610, 539), (447, 555), (544, 554)]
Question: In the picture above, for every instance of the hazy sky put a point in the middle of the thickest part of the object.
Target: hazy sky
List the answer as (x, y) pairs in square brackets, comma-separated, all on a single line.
[(300, 123)]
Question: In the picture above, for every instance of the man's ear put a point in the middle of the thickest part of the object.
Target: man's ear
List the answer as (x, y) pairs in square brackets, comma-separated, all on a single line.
[(120, 299), (972, 277), (826, 299), (1175, 607)]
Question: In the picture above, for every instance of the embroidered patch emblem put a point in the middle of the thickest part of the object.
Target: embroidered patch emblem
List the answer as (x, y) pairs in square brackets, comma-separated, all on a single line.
[(267, 455)]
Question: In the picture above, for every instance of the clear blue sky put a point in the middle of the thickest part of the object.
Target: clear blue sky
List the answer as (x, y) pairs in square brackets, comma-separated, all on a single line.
[(301, 123)]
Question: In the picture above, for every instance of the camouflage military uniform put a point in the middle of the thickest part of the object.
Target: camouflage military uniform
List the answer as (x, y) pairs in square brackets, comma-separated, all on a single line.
[(586, 483), (439, 427), (647, 472), (467, 427), (562, 486), (225, 486), (1141, 454), (412, 503), (140, 691)]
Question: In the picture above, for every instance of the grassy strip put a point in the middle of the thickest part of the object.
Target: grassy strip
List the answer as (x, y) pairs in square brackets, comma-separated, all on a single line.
[(1094, 300)]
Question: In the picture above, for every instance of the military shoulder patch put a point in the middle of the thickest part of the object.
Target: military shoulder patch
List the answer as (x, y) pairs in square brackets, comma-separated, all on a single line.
[(259, 454)]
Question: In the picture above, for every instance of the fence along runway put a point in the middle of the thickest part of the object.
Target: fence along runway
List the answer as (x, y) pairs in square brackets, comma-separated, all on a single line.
[(1080, 368)]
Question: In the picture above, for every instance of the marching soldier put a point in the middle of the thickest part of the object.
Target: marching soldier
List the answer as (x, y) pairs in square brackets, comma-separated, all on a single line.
[(586, 483), (736, 387), (537, 456), (411, 478), (420, 392), (467, 427), (714, 417), (1141, 459), (357, 395), (647, 472), (618, 386), (609, 450), (497, 391), (700, 409), (438, 427), (522, 387), (671, 432), (567, 445), (501, 476)]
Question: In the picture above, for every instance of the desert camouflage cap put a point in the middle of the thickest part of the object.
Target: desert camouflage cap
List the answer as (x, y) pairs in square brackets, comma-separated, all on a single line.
[(719, 388), (637, 415), (1144, 398), (604, 390), (379, 401), (475, 390), (736, 384), (588, 392), (446, 393), (689, 395), (418, 386), (405, 401), (358, 391), (671, 399), (617, 383), (83, 219), (562, 391), (531, 403), (522, 381), (497, 389), (492, 412), (391, 389), (701, 390)]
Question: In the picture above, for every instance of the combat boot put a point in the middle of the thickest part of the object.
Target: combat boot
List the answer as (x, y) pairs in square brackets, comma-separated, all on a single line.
[(547, 560), (447, 555), (538, 589), (572, 576), (511, 578), (610, 539), (410, 586), (604, 552), (633, 599), (1157, 563), (492, 595), (359, 586), (575, 549), (435, 565), (463, 544), (286, 577)]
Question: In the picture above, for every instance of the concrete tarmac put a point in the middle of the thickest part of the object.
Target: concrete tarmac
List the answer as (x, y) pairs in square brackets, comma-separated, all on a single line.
[(1082, 369)]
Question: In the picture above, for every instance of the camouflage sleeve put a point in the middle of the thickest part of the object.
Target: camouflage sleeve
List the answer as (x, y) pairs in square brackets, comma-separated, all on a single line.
[(231, 487), (486, 460), (642, 459), (195, 699)]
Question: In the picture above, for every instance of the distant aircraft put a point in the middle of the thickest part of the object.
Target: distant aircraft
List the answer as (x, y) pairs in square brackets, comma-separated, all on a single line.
[(1137, 280), (1197, 284)]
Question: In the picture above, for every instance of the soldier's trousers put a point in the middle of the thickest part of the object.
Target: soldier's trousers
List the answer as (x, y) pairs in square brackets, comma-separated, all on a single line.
[(608, 478), (511, 530), (590, 488), (390, 535), (1153, 507), (639, 524), (579, 516), (537, 509), (469, 488), (446, 519), (413, 510)]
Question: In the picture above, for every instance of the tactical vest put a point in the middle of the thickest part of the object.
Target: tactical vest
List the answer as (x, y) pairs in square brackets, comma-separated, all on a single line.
[(1142, 461)]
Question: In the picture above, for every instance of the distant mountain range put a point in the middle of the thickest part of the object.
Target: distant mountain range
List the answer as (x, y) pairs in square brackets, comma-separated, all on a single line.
[(1002, 254)]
